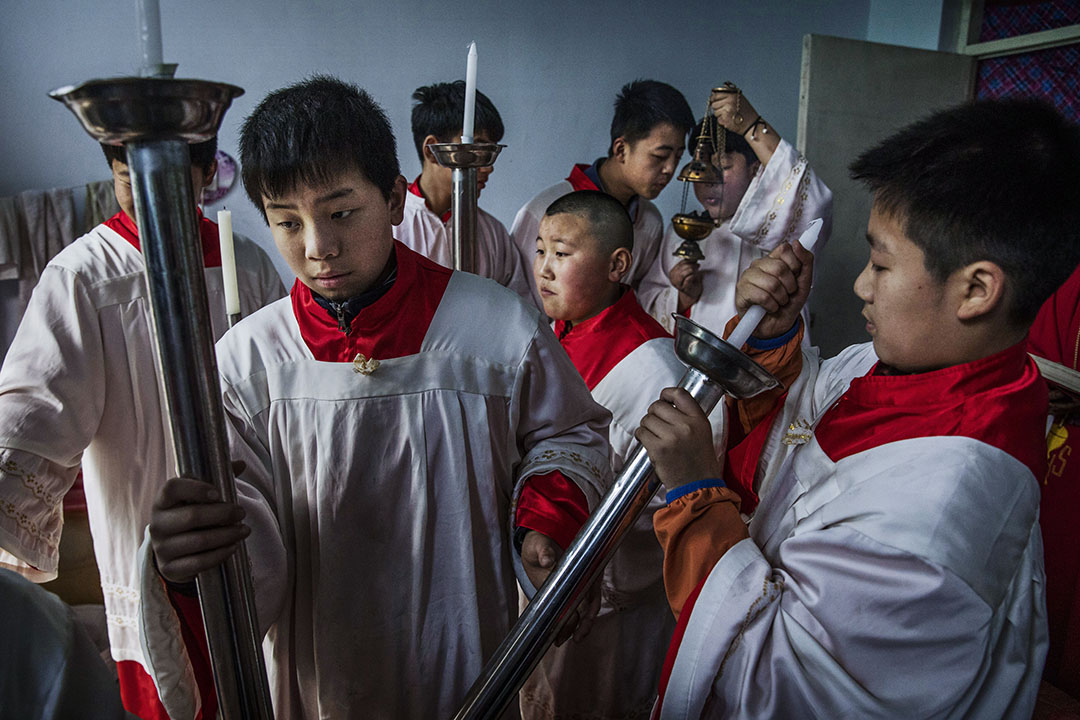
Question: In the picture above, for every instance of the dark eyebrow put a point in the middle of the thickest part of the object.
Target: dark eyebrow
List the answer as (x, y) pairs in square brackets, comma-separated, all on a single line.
[(334, 195)]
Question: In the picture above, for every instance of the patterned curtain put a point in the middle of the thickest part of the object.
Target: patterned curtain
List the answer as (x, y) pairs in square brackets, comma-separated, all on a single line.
[(1049, 74)]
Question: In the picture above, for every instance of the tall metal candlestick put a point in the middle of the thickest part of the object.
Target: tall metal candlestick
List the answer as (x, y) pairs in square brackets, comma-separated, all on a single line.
[(155, 119), (465, 159)]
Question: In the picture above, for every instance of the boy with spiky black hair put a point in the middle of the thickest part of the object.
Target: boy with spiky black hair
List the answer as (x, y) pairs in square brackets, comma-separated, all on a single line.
[(394, 453), (79, 388), (436, 118), (648, 136), (893, 567)]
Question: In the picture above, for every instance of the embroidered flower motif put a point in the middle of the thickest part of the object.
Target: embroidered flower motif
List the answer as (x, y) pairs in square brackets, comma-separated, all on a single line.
[(364, 365), (798, 433)]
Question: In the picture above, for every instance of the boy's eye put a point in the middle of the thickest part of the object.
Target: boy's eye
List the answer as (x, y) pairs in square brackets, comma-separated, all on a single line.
[(876, 268), (560, 254), (287, 224), (341, 214)]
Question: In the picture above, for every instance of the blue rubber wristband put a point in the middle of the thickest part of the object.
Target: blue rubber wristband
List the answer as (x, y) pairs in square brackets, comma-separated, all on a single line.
[(693, 487), (773, 343)]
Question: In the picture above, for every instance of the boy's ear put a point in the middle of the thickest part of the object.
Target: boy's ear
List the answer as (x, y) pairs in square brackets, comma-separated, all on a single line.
[(619, 148), (429, 157), (211, 171), (982, 288), (619, 265), (396, 202)]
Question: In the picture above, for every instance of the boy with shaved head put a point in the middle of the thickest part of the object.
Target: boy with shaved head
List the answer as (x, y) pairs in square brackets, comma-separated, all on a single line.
[(626, 358)]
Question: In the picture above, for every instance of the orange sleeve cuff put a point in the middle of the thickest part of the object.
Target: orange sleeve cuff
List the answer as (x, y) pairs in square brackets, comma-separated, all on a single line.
[(784, 362), (695, 531)]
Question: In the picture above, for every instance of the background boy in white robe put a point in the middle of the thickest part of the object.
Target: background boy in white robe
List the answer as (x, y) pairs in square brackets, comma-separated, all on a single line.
[(894, 565), (399, 423), (626, 358), (768, 196), (648, 136), (80, 387), (436, 118)]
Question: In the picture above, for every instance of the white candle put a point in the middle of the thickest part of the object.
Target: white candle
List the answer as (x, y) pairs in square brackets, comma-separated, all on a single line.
[(755, 313), (149, 17), (470, 96), (228, 263)]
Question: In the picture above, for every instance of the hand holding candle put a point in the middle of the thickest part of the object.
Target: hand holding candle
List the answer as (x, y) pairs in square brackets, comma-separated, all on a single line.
[(228, 265), (753, 316), (470, 96)]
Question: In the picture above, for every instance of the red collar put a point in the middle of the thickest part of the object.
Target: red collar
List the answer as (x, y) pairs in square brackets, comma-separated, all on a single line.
[(1055, 334), (579, 180), (208, 235), (392, 326), (414, 188), (1000, 400), (600, 343)]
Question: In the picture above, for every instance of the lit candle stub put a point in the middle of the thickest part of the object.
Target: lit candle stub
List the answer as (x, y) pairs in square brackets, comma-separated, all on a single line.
[(149, 17), (228, 263), (755, 313), (470, 96)]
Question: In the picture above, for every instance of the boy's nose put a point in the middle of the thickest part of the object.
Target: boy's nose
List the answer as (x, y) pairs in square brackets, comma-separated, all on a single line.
[(862, 284), (319, 244)]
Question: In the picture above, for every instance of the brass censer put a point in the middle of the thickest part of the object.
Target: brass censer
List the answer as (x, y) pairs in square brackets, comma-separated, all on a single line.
[(693, 227)]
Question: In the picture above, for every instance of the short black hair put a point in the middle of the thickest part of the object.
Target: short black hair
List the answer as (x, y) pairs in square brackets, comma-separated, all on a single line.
[(440, 108), (202, 154), (733, 142), (641, 105), (607, 218), (988, 180), (312, 131)]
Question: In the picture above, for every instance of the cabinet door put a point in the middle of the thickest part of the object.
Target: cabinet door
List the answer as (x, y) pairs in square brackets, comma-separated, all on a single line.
[(852, 95)]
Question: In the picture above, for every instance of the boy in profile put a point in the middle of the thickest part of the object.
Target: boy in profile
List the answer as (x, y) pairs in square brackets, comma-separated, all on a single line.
[(436, 118), (768, 195), (401, 425), (893, 567), (648, 135), (582, 252), (80, 388)]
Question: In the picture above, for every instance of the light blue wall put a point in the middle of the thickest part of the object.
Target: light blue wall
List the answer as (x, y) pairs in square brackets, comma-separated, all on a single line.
[(552, 68), (913, 23)]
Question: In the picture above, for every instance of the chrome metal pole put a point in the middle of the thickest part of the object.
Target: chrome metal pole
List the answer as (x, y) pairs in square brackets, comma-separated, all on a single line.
[(714, 369), (583, 562), (164, 208), (463, 211)]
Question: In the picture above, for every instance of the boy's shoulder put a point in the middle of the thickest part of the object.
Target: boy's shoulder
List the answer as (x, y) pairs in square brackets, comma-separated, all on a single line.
[(265, 337), (540, 202), (98, 256), (479, 317)]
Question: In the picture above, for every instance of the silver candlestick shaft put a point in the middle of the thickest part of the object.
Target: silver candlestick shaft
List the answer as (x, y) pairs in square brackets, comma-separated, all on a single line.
[(465, 159), (714, 369), (155, 119)]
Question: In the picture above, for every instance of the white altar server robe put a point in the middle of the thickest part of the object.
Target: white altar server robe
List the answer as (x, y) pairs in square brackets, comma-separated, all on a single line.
[(382, 504), (904, 581), (80, 386)]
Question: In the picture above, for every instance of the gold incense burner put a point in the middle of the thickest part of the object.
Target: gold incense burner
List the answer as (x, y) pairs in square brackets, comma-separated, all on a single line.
[(693, 227)]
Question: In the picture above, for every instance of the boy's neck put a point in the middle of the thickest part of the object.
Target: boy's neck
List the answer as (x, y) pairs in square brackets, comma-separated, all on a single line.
[(437, 194), (614, 184)]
